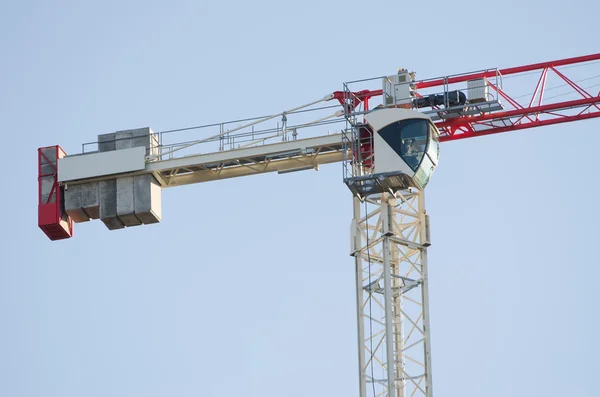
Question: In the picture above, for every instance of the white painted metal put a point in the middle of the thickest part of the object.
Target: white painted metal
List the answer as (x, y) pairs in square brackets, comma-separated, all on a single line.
[(299, 154), (271, 150), (398, 90), (296, 163), (384, 117), (387, 158), (478, 90), (355, 244), (389, 243), (95, 165), (284, 156)]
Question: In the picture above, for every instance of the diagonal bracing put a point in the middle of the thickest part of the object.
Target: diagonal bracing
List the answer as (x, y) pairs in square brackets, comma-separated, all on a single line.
[(389, 244)]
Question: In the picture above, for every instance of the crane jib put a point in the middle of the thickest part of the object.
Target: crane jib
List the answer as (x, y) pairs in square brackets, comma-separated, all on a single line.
[(119, 181)]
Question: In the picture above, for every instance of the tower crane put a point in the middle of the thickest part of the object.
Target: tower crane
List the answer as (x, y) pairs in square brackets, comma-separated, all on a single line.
[(386, 132)]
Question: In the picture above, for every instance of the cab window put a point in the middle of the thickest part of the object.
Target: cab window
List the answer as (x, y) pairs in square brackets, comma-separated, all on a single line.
[(409, 139)]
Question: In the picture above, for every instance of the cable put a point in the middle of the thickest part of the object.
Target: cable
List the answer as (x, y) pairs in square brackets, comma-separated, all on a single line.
[(572, 92), (370, 297), (243, 120), (510, 76), (559, 86)]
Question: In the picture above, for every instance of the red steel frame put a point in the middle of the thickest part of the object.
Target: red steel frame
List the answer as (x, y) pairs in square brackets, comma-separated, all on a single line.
[(51, 216), (521, 116)]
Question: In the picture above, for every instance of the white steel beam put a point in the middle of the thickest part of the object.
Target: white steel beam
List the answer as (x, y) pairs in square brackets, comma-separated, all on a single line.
[(259, 167), (390, 239), (100, 164), (284, 156)]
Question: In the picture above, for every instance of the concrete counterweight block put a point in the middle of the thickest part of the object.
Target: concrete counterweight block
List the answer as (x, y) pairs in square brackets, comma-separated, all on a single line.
[(138, 137), (73, 206), (130, 201), (147, 138), (124, 140), (90, 199), (147, 195), (106, 142), (126, 202), (108, 205), (82, 201), (138, 200)]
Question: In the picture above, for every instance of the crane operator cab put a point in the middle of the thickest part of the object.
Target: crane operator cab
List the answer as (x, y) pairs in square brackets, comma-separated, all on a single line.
[(397, 149)]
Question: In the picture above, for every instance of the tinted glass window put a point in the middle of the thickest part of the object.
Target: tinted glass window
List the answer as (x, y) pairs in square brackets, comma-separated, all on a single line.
[(409, 139), (434, 146)]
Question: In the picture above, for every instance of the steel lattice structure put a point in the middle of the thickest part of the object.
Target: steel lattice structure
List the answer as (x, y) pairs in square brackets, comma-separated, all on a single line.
[(390, 228), (536, 110), (390, 236)]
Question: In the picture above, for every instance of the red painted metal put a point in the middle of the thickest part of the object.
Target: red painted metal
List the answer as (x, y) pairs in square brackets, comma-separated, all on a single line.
[(522, 117), (360, 96), (52, 219), (519, 112), (541, 83), (537, 123), (577, 103), (508, 71), (353, 100), (516, 116)]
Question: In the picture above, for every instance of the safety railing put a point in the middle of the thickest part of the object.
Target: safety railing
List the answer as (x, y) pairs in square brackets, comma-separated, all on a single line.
[(301, 122)]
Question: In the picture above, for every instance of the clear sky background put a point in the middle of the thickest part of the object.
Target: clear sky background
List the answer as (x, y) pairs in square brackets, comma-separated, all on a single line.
[(246, 287)]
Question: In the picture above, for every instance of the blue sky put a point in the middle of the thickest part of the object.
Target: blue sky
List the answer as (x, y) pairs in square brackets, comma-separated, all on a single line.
[(246, 287)]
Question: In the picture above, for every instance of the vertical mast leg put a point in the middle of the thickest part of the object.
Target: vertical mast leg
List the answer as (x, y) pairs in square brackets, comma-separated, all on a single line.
[(389, 243), (356, 242)]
